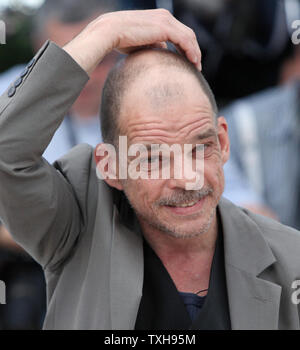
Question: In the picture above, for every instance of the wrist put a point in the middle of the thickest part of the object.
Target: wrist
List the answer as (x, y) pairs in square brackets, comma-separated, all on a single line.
[(90, 46)]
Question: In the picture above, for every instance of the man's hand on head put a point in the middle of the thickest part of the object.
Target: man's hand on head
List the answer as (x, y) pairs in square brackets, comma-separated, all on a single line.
[(127, 31)]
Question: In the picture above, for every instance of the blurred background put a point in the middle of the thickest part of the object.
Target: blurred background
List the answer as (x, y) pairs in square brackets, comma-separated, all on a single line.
[(253, 67)]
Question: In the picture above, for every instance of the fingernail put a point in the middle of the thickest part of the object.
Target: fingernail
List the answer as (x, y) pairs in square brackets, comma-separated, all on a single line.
[(197, 63)]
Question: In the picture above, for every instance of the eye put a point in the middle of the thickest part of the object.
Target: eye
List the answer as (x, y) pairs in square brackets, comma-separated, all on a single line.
[(149, 160), (199, 148), (202, 149), (208, 148), (154, 159), (151, 163)]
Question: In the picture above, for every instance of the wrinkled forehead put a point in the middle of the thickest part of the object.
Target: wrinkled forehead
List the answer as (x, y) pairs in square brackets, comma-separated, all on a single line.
[(165, 96), (160, 96)]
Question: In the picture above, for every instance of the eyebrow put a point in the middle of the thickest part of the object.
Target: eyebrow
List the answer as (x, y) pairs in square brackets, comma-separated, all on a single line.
[(206, 134)]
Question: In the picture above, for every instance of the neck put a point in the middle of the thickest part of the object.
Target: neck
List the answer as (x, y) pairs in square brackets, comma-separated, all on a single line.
[(187, 260)]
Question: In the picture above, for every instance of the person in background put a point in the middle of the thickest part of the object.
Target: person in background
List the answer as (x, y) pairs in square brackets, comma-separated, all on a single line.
[(264, 129), (240, 191)]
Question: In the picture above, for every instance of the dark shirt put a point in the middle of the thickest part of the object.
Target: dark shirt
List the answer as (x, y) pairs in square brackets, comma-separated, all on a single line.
[(162, 307), (193, 303)]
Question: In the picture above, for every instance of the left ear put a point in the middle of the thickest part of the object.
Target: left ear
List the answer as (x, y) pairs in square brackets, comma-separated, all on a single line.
[(223, 139)]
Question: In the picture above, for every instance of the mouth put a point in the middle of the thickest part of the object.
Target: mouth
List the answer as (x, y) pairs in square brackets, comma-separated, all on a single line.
[(186, 208)]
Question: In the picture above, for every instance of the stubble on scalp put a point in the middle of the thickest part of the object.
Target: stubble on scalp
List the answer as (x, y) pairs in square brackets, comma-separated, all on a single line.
[(139, 65)]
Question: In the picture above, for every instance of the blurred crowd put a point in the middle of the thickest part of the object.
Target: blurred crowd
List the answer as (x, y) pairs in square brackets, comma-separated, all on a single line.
[(253, 68)]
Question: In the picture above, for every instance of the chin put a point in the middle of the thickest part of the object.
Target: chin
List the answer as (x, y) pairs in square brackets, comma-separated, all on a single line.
[(187, 229), (184, 235)]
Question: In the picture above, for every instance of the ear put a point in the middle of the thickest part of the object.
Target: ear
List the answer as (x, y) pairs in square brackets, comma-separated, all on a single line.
[(106, 165), (223, 139)]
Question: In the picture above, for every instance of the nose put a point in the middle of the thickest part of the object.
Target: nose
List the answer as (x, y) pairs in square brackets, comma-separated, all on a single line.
[(186, 178), (173, 183)]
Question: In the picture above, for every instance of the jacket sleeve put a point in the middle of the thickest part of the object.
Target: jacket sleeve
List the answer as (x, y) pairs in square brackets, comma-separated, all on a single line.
[(38, 205)]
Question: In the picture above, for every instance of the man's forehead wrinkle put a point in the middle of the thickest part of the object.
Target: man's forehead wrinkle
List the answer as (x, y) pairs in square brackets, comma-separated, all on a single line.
[(194, 125), (181, 121), (167, 135), (155, 134), (182, 125), (140, 125)]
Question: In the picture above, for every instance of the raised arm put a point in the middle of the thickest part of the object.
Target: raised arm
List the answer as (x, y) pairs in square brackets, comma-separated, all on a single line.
[(43, 211), (37, 204)]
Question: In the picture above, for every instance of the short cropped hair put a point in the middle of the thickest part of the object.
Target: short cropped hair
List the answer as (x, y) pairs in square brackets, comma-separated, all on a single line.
[(122, 75)]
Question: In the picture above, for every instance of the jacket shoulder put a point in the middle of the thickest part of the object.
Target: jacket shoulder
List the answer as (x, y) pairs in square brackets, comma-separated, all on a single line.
[(79, 169), (283, 240), (78, 159), (254, 237)]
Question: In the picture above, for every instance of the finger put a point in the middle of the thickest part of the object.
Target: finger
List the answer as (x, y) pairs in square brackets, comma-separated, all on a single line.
[(160, 45), (180, 50), (185, 46), (194, 41), (185, 40)]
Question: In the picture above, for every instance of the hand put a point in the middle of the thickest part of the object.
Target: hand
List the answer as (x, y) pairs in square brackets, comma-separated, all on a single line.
[(128, 30)]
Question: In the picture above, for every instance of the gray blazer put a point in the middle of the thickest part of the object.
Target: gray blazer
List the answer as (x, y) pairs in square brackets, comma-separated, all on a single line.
[(78, 229)]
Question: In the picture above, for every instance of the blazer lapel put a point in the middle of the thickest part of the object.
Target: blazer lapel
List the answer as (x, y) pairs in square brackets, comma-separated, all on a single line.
[(253, 301), (127, 273)]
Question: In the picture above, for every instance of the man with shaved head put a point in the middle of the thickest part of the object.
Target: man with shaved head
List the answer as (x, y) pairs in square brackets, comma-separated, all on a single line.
[(135, 234)]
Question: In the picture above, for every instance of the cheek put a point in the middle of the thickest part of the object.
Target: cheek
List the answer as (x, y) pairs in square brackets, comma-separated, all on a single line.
[(141, 192), (214, 174), (150, 191)]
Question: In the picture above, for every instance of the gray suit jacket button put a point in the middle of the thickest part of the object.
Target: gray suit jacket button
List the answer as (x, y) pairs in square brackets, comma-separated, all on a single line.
[(31, 63), (24, 72), (18, 82), (11, 91)]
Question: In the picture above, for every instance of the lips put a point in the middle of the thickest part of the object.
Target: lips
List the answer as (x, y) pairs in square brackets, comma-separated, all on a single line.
[(185, 205), (186, 208)]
